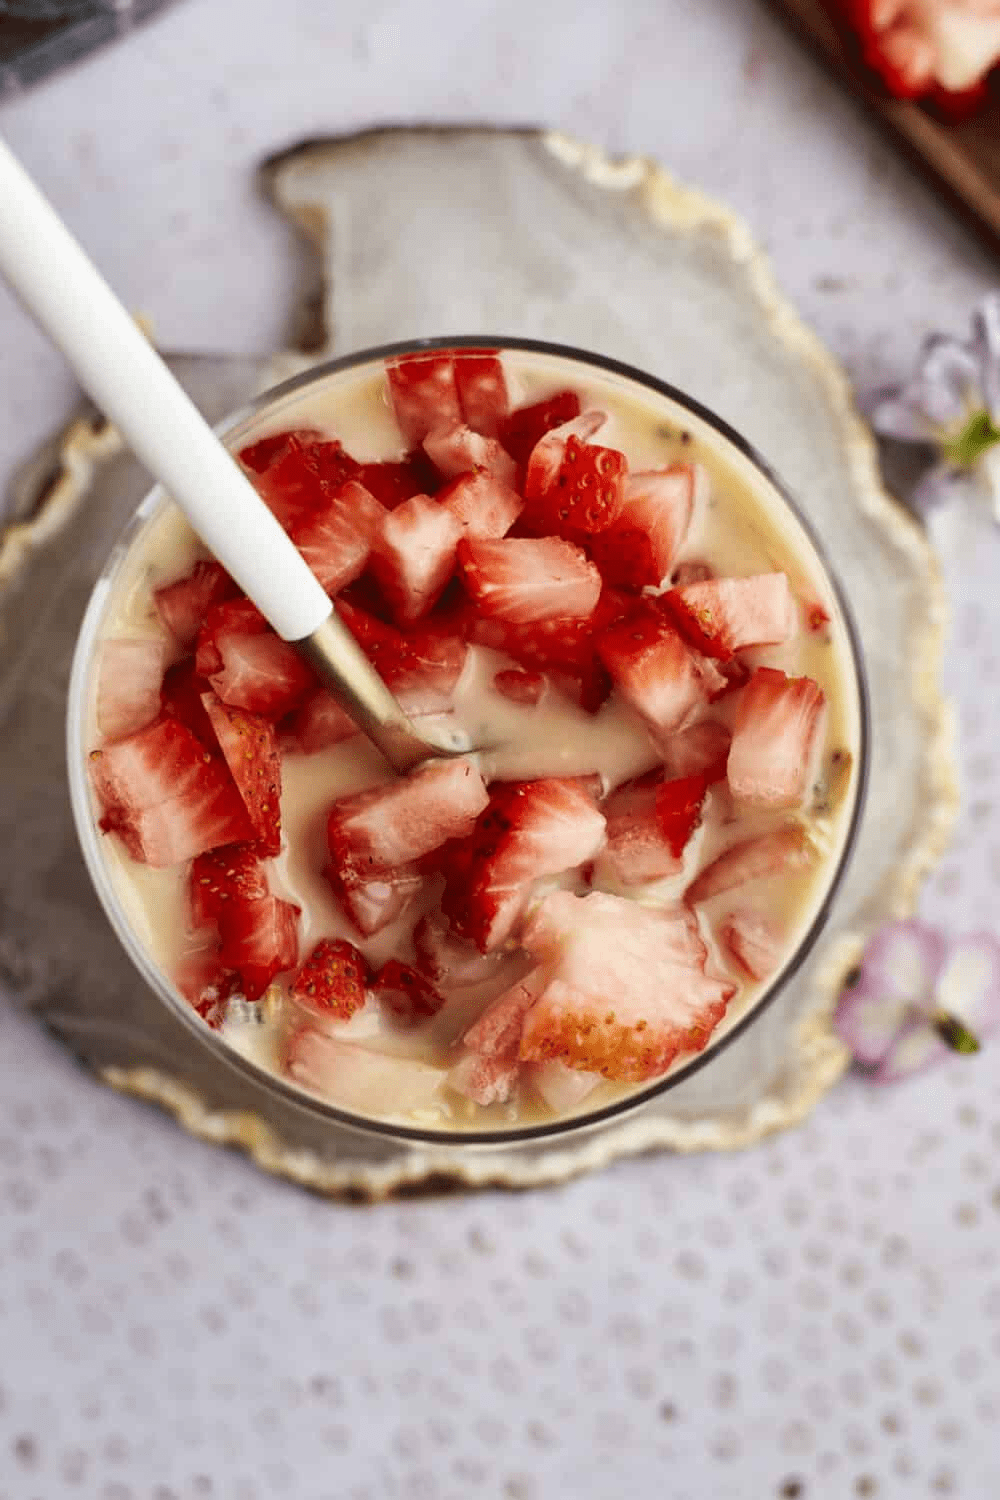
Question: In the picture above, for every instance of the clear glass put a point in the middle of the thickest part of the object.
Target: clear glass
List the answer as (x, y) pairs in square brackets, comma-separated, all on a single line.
[(281, 406)]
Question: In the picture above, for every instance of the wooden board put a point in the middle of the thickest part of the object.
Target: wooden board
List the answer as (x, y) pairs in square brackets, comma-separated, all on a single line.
[(963, 160)]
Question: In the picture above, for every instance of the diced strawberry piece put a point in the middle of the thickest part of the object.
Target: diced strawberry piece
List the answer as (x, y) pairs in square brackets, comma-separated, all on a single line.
[(637, 849), (497, 1033), (484, 1080), (319, 723), (421, 668), (778, 723), (332, 980), (484, 508), (336, 538), (656, 511), (247, 665), (392, 483), (250, 747), (530, 830), (691, 571), (376, 831), (204, 983), (413, 556), (520, 687), (129, 675), (754, 941), (700, 750), (453, 449), (447, 959), (261, 455), (626, 990), (180, 698), (405, 994), (423, 393), (654, 670), (356, 1078), (259, 939), (525, 427), (373, 903), (725, 615), (166, 796), (817, 617), (573, 488), (232, 873), (522, 579), (678, 808), (482, 390), (774, 853), (941, 50), (561, 1088), (183, 605), (303, 477)]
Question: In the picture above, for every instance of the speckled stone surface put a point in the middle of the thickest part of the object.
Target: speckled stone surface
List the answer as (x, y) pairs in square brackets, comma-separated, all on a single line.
[(817, 1318)]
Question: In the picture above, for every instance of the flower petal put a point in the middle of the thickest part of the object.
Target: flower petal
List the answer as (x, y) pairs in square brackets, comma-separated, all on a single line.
[(969, 983), (916, 1048), (986, 343), (904, 960), (902, 416), (947, 384), (868, 1024)]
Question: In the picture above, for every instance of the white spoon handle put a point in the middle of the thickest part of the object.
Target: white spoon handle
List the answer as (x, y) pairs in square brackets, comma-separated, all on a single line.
[(131, 384)]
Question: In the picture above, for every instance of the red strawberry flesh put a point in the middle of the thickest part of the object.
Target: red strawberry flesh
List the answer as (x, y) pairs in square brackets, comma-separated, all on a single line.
[(522, 579), (413, 556), (129, 676), (778, 722), (757, 858), (376, 831), (332, 980), (724, 615), (259, 940), (183, 604), (250, 747)]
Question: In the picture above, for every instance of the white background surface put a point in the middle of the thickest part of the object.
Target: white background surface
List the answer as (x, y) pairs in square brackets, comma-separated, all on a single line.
[(819, 1317)]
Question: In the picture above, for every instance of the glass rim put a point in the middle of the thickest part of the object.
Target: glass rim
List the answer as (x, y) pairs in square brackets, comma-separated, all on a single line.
[(80, 792)]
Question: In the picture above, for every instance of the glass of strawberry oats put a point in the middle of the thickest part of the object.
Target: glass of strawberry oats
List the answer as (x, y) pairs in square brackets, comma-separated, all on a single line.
[(601, 584)]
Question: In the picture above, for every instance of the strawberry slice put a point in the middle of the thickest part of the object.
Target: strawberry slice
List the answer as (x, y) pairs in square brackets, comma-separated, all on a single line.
[(482, 390), (303, 476), (202, 980), (376, 831), (638, 550), (530, 830), (422, 667), (700, 750), (655, 671), (497, 1033), (524, 428), (180, 698), (775, 853), (753, 941), (447, 959), (778, 723), (637, 849), (129, 675), (724, 615), (573, 488), (247, 665), (183, 604), (678, 809), (524, 579), (233, 873), (423, 393), (258, 939), (332, 980), (356, 1078), (453, 449), (484, 508), (250, 747), (626, 991), (484, 1080), (261, 455), (165, 796), (318, 724), (938, 49), (336, 537), (559, 1087), (372, 904), (392, 483), (413, 556), (520, 687), (405, 994)]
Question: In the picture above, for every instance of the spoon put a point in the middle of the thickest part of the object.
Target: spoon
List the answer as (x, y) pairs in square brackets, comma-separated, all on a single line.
[(119, 368)]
